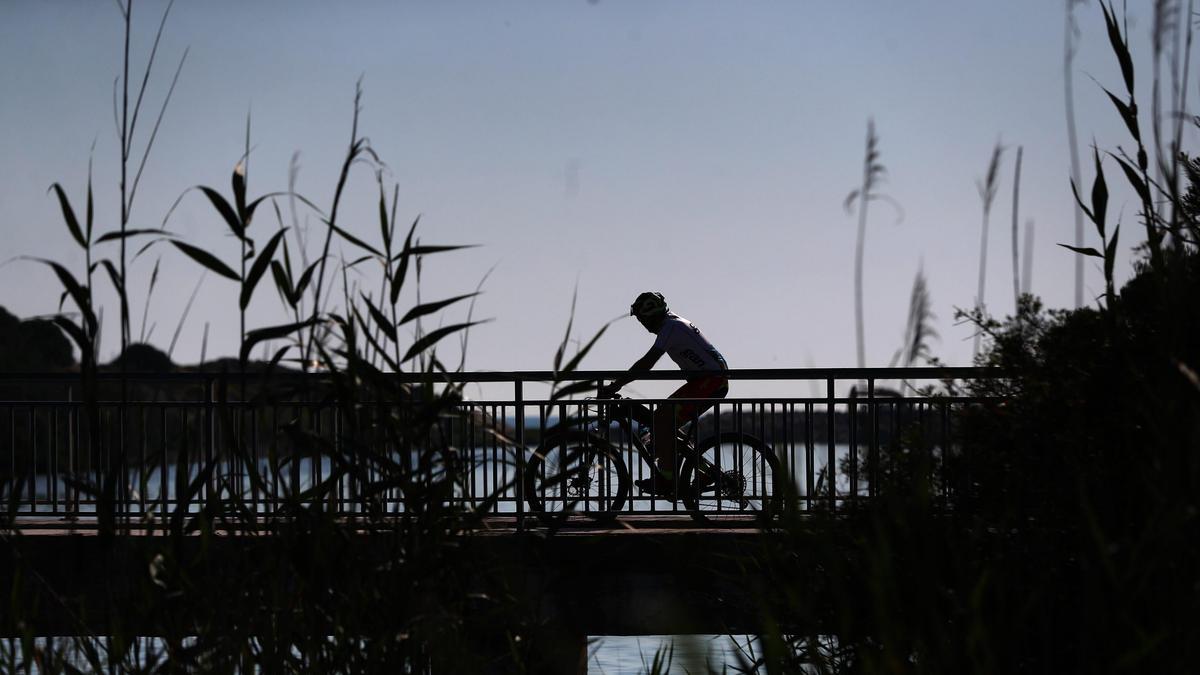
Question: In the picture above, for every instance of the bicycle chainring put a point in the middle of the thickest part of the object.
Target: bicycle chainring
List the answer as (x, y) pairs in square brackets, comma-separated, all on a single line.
[(733, 484)]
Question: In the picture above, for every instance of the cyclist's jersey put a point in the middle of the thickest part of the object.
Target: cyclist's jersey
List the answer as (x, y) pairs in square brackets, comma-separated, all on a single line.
[(687, 346)]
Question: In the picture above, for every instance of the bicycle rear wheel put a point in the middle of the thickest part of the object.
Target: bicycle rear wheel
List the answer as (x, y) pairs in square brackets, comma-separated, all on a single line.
[(733, 474), (576, 473)]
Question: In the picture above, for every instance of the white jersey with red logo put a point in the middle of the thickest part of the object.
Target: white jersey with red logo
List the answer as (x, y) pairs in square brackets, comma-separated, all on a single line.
[(687, 346)]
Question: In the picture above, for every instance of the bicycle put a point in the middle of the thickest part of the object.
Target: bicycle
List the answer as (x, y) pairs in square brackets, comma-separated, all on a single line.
[(578, 469)]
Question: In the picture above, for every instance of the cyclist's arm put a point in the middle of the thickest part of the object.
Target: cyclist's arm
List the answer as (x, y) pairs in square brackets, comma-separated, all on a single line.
[(645, 363)]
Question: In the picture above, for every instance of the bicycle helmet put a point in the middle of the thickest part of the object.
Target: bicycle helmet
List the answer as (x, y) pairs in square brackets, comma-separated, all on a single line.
[(649, 305)]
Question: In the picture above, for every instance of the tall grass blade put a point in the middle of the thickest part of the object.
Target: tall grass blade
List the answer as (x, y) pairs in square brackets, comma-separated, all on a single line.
[(462, 361), (149, 295), (562, 346), (187, 309), (1027, 259), (162, 111), (204, 345)]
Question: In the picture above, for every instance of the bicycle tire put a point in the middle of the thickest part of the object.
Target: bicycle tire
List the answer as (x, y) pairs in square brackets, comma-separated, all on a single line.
[(576, 469), (750, 479)]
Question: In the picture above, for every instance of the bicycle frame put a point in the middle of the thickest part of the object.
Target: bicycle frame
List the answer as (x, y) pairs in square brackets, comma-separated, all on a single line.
[(603, 419)]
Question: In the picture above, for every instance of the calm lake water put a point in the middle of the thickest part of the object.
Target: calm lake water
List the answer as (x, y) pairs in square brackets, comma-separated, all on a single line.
[(695, 654)]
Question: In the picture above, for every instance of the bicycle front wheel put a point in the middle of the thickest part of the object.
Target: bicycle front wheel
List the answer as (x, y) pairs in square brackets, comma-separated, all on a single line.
[(732, 474), (576, 473)]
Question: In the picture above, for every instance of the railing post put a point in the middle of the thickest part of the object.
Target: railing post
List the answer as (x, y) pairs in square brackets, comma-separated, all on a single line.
[(519, 412), (831, 430), (873, 450), (852, 434), (210, 427)]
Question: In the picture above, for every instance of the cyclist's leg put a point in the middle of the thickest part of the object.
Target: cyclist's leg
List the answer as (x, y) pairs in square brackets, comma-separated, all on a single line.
[(669, 417)]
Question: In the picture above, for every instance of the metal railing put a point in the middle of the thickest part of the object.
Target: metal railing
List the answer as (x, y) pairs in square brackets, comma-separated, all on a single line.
[(178, 441)]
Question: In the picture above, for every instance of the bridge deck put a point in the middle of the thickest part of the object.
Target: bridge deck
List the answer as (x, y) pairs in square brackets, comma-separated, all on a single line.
[(645, 576)]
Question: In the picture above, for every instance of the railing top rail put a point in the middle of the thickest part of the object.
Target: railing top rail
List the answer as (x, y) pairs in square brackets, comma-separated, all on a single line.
[(941, 373)]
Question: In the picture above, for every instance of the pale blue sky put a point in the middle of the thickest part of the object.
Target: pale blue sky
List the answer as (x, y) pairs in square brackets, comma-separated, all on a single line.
[(700, 148)]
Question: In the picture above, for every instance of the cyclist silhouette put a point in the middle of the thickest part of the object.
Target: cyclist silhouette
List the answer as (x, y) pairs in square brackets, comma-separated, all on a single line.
[(687, 347)]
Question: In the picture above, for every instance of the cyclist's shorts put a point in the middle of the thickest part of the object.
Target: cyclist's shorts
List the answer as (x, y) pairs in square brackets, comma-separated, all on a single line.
[(712, 386)]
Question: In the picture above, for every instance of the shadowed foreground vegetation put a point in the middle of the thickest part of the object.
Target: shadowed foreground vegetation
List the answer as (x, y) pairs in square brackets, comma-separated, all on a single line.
[(1069, 543)]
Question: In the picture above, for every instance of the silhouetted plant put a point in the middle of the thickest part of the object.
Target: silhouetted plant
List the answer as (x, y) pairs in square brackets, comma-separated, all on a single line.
[(873, 174), (1015, 211), (1070, 47), (987, 194)]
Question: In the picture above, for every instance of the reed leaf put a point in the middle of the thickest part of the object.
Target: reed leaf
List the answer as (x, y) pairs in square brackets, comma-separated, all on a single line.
[(86, 348), (282, 282), (259, 268), (127, 234), (381, 320), (380, 349), (270, 333), (1087, 250), (69, 215), (1135, 179), (1119, 44), (429, 250), (575, 360), (431, 307), (386, 225), (226, 211), (1079, 202), (1128, 112), (78, 293), (404, 256), (1099, 196), (433, 337), (1110, 258), (206, 259), (305, 279), (353, 239)]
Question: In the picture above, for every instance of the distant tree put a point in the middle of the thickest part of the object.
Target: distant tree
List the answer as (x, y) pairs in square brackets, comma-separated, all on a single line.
[(32, 345), (143, 358)]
